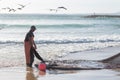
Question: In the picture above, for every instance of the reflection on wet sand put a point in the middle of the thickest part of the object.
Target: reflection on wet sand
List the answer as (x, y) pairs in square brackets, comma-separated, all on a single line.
[(62, 71), (42, 73), (30, 74), (117, 69)]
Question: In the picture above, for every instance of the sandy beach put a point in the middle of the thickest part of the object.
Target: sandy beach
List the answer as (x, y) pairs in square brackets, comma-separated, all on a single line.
[(23, 73), (79, 40)]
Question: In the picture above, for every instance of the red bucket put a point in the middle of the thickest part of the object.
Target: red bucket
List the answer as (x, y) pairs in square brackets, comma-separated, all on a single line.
[(42, 66)]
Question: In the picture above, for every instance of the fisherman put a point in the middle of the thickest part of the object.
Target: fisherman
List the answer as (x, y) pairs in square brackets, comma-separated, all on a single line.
[(30, 48)]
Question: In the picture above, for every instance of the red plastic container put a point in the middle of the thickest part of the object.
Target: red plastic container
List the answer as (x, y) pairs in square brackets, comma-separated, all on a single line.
[(42, 66)]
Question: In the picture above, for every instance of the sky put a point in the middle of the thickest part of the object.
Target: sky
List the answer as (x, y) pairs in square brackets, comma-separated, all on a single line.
[(73, 6)]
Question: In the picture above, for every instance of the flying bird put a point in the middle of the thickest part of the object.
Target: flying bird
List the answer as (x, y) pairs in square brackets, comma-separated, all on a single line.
[(14, 9), (22, 6), (9, 9), (62, 8), (53, 10)]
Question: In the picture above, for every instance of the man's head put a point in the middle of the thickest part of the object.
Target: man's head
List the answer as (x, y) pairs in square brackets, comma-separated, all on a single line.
[(33, 28)]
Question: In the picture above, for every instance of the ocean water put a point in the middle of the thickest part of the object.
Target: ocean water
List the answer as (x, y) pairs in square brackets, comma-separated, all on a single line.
[(57, 35)]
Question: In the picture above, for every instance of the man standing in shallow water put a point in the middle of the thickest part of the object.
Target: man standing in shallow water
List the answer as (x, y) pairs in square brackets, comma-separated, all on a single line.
[(30, 48)]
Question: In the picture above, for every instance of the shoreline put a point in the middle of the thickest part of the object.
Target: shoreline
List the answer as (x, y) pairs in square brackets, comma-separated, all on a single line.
[(21, 73), (98, 54)]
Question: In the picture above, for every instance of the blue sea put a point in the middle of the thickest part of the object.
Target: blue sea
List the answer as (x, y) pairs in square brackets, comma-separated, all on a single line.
[(57, 35)]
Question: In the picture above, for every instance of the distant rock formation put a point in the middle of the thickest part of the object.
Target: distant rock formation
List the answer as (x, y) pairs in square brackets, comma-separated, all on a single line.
[(95, 16)]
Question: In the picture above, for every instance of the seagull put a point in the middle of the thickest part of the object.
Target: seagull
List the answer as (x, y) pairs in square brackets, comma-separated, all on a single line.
[(19, 8), (62, 8), (22, 6), (9, 9), (4, 8), (12, 10), (53, 10)]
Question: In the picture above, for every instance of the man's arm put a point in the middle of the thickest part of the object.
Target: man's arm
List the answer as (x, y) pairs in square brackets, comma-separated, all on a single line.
[(31, 42), (34, 44)]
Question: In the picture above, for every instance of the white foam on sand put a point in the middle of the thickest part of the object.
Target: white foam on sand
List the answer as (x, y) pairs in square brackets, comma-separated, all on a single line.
[(97, 54)]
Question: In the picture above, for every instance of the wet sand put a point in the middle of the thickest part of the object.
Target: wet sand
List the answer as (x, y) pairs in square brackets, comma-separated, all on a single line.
[(21, 73)]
